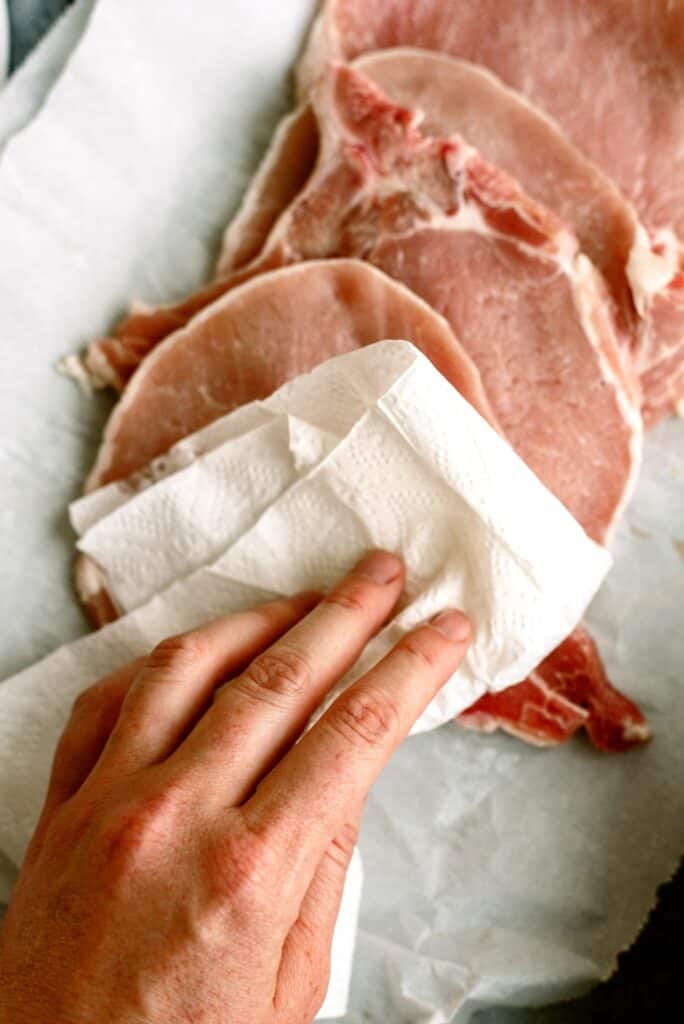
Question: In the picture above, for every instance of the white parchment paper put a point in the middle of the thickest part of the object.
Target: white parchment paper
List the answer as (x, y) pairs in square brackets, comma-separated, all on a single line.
[(26, 90), (495, 874)]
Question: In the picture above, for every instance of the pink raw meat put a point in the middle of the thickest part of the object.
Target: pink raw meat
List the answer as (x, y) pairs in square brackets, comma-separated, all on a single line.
[(257, 337), (283, 172), (456, 96), (568, 690), (611, 72)]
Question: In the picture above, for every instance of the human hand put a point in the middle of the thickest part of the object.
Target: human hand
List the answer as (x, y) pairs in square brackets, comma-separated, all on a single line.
[(189, 861)]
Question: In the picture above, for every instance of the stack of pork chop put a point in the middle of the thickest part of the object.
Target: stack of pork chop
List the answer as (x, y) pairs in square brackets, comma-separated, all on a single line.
[(527, 241)]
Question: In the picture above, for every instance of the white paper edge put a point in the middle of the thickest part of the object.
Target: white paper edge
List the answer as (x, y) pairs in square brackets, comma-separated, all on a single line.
[(4, 42)]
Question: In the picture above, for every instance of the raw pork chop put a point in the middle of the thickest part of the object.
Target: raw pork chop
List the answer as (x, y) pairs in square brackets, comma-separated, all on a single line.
[(664, 388), (610, 71), (257, 337), (380, 141), (456, 96)]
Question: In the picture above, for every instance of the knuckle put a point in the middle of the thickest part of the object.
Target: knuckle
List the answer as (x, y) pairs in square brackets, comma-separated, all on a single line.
[(352, 596), (419, 649), (267, 616), (365, 719), (176, 652), (282, 672), (135, 836)]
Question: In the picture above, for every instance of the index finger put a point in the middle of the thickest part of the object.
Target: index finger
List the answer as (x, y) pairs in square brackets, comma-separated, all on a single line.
[(310, 794)]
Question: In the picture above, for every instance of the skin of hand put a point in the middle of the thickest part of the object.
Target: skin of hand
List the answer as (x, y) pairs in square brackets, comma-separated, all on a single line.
[(190, 858)]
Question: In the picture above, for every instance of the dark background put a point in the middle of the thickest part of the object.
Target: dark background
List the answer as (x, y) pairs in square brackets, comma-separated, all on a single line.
[(646, 988)]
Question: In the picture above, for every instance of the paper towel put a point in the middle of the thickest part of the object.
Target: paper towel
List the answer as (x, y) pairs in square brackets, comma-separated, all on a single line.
[(496, 874)]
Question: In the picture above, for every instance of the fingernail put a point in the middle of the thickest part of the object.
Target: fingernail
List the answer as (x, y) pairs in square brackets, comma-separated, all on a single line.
[(453, 625), (380, 566)]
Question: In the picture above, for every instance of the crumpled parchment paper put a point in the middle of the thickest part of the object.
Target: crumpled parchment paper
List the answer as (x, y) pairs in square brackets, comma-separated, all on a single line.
[(495, 874)]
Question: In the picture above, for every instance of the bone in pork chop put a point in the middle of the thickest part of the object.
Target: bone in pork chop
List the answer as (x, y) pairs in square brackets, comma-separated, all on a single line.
[(457, 96), (611, 72)]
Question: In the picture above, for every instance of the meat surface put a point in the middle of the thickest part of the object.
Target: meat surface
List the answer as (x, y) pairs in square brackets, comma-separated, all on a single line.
[(454, 96), (666, 386), (530, 310), (611, 72), (457, 96), (257, 337)]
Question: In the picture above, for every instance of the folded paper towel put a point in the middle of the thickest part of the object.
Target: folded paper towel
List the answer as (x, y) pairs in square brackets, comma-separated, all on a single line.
[(191, 516)]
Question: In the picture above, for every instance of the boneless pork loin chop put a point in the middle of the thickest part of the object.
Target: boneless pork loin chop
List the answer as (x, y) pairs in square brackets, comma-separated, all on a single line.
[(611, 72)]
